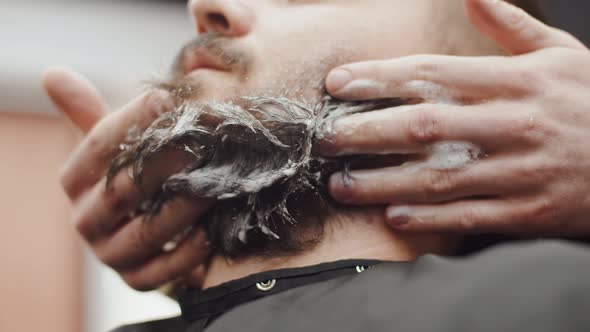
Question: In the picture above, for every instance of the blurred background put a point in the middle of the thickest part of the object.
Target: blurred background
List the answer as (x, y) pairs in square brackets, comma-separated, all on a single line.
[(48, 281)]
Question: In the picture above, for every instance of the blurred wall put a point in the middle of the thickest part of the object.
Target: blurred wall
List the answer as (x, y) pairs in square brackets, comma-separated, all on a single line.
[(48, 281), (41, 280)]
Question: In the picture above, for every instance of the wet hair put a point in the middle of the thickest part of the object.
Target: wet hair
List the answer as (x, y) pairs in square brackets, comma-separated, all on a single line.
[(255, 156)]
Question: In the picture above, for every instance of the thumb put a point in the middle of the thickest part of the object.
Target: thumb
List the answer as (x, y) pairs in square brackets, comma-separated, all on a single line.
[(515, 30), (75, 96)]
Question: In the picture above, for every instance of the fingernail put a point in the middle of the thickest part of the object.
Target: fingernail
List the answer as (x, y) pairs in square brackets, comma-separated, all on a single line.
[(329, 144), (398, 215), (338, 79), (504, 12), (341, 188)]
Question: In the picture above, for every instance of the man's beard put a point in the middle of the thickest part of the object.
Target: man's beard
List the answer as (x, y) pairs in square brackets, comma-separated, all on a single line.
[(292, 79), (255, 156)]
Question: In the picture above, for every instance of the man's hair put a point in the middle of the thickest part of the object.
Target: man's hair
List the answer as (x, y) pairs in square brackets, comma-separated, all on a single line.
[(255, 157)]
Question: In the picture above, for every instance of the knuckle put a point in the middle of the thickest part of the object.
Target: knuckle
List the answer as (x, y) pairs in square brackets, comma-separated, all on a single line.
[(154, 103), (437, 182), (116, 198), (543, 216), (532, 128), (96, 146), (532, 173), (529, 173), (468, 220), (526, 79), (425, 68), (424, 127), (94, 143), (83, 225), (115, 201), (544, 210), (139, 282), (107, 258), (143, 237), (520, 22), (67, 183), (538, 172)]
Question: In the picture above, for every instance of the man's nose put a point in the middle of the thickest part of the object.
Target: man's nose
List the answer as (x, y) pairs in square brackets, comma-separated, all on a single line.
[(230, 18)]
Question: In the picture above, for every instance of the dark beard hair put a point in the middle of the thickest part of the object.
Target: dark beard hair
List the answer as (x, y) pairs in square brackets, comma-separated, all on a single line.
[(255, 156), (221, 47)]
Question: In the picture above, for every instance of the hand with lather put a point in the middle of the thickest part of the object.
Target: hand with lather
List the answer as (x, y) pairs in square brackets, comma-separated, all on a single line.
[(528, 112)]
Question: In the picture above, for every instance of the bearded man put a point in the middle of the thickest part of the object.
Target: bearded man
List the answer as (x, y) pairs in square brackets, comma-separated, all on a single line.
[(235, 149)]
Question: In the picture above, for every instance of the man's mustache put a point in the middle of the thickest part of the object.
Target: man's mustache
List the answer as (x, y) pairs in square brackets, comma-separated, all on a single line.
[(218, 46)]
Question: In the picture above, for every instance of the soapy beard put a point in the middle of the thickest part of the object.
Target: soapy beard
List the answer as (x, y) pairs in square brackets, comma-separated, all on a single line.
[(254, 155)]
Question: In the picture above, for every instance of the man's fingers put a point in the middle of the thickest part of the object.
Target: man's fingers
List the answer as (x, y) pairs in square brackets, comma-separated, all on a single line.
[(449, 79), (195, 278), (413, 129), (432, 78), (191, 253), (465, 216), (102, 209), (420, 183), (525, 215), (515, 30), (75, 96), (145, 236), (91, 158)]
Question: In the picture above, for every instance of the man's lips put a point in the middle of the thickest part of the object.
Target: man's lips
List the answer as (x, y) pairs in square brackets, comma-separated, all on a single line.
[(199, 58)]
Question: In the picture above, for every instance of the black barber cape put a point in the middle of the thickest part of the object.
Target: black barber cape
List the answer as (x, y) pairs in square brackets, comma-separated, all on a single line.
[(542, 286)]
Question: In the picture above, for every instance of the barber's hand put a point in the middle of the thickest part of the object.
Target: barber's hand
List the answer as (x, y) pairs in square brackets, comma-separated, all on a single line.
[(104, 216), (529, 114)]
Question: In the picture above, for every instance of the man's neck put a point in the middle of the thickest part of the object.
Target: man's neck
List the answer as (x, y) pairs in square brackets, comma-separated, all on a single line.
[(366, 238)]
